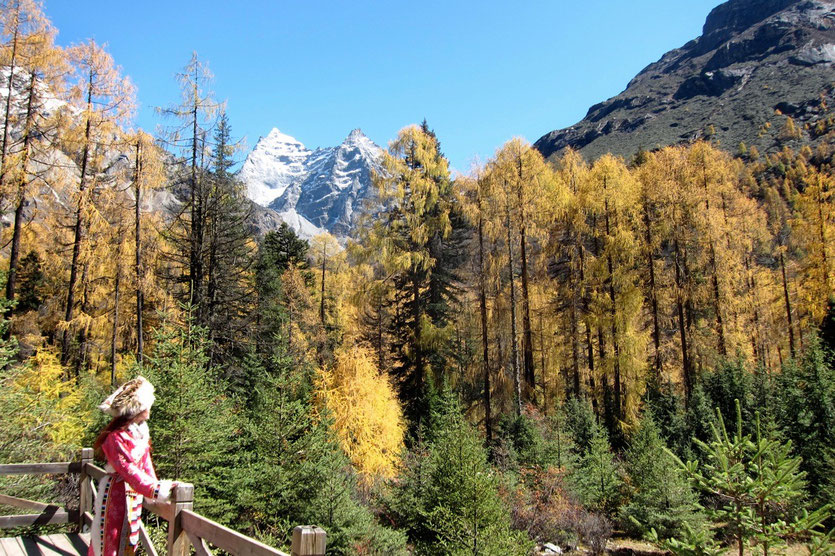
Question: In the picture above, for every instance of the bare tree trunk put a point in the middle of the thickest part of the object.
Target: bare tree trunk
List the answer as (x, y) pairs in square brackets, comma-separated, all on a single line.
[(685, 354), (322, 302), (517, 383), (613, 301), (14, 256), (653, 295), (482, 301), (115, 331), (6, 122), (140, 296), (788, 305), (717, 309), (79, 222)]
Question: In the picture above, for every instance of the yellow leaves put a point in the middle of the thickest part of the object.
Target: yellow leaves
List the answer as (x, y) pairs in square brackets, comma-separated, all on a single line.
[(101, 90), (814, 223), (41, 404), (367, 417)]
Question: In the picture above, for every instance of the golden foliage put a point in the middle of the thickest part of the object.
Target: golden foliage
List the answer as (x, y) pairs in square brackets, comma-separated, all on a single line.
[(41, 407), (367, 416)]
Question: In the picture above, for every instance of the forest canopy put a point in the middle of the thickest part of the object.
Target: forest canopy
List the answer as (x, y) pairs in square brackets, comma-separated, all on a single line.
[(533, 352)]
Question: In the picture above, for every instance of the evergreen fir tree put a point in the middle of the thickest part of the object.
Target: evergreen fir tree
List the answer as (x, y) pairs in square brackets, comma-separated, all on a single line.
[(661, 498), (827, 328), (581, 423), (806, 414), (292, 470), (757, 484), (415, 196), (448, 498), (598, 479), (278, 251), (532, 440), (229, 257), (699, 418), (667, 408), (194, 424)]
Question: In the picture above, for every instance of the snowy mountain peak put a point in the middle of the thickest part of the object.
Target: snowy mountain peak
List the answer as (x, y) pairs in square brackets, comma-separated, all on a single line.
[(312, 190), (275, 162), (276, 137), (355, 135)]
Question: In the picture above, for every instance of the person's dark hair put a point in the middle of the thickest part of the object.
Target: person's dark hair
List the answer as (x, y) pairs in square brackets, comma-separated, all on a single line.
[(116, 424)]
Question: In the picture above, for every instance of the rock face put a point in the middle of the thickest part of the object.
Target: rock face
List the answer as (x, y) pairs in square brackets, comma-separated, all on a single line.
[(757, 62), (271, 167), (313, 191)]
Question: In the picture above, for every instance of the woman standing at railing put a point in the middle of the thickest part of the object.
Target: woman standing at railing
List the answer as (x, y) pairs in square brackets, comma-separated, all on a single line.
[(126, 445)]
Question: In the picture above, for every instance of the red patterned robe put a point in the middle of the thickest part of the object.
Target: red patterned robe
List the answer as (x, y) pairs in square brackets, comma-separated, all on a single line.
[(118, 506)]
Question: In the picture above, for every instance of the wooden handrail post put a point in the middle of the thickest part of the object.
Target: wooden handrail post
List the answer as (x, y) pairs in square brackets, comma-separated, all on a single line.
[(85, 491), (308, 540), (182, 498)]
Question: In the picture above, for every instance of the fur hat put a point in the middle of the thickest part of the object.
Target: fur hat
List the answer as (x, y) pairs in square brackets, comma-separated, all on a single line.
[(130, 399)]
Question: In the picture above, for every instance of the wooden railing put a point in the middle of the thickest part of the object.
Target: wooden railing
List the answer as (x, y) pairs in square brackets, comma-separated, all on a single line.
[(185, 527)]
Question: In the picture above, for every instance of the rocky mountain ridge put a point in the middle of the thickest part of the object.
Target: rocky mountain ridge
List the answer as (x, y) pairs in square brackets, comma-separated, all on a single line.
[(313, 191), (756, 63)]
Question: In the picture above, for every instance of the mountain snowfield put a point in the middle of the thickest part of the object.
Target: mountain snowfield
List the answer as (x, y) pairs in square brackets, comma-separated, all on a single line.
[(273, 164), (312, 191)]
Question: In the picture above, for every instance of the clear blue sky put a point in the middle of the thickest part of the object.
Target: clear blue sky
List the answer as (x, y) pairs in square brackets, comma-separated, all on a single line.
[(480, 72)]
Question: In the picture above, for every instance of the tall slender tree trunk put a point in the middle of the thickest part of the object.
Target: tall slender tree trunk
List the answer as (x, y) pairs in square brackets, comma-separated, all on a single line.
[(527, 340), (575, 335), (653, 295), (689, 311), (717, 307), (587, 321), (614, 315), (822, 238), (6, 122), (381, 358), (79, 222), (517, 383), (542, 366), (196, 198), (530, 379), (788, 305), (14, 256), (485, 351), (140, 299), (685, 353), (756, 335), (81, 362), (322, 301), (115, 330), (417, 315)]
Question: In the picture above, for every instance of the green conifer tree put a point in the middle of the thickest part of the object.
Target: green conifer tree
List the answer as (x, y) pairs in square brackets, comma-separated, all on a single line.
[(193, 423), (806, 415), (661, 497), (598, 477), (757, 483), (292, 470), (580, 421), (448, 498)]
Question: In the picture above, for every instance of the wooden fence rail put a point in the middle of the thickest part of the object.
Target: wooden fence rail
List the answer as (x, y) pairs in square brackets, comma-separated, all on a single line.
[(185, 527)]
